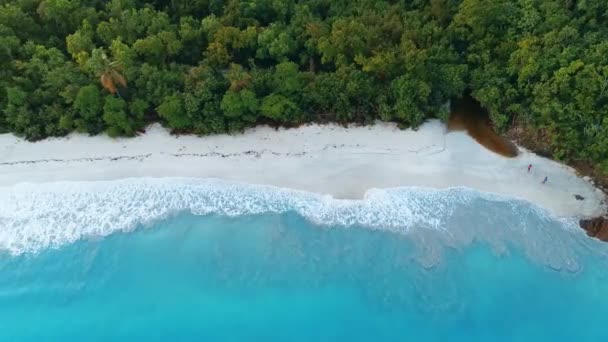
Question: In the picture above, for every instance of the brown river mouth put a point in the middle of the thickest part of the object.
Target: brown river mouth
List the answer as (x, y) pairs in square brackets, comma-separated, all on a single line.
[(468, 115)]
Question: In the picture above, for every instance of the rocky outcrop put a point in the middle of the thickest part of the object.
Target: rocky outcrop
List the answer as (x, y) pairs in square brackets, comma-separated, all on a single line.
[(596, 227)]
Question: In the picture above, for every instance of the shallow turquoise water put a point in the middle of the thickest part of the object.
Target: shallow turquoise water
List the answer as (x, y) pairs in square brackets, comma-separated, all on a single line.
[(279, 276)]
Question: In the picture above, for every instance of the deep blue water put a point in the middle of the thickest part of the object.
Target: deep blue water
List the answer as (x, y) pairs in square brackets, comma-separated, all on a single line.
[(475, 273)]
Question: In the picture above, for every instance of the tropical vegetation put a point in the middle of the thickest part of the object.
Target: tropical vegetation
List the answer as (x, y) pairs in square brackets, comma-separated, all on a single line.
[(213, 66)]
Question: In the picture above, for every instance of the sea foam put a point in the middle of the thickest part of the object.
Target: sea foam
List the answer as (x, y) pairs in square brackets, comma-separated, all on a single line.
[(34, 217)]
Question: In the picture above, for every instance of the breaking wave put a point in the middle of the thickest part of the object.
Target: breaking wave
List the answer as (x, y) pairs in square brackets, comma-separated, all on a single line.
[(34, 217)]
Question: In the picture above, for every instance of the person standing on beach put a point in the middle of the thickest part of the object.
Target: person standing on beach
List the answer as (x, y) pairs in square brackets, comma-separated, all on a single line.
[(544, 180), (529, 167)]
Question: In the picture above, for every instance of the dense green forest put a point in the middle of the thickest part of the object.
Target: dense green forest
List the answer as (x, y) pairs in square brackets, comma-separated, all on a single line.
[(211, 66)]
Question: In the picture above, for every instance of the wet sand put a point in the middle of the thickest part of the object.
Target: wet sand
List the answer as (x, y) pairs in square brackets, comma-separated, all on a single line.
[(468, 115)]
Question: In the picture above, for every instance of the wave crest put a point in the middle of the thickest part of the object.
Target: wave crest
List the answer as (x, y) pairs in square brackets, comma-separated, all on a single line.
[(38, 216)]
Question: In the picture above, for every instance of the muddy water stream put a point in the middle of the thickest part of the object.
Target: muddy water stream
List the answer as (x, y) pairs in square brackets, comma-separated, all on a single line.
[(468, 115)]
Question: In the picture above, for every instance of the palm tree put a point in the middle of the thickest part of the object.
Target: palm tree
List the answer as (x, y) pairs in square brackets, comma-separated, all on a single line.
[(111, 77)]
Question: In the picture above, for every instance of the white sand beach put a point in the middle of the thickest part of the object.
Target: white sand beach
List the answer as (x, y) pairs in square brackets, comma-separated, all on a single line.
[(328, 159)]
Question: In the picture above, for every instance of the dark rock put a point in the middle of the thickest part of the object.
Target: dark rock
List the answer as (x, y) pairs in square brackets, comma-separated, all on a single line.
[(579, 197), (596, 227)]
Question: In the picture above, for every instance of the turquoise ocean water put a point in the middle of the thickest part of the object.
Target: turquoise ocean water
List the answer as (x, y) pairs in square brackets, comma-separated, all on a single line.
[(187, 259)]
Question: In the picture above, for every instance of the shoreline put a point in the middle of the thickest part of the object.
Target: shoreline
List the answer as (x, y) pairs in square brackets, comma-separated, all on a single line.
[(597, 226), (326, 159)]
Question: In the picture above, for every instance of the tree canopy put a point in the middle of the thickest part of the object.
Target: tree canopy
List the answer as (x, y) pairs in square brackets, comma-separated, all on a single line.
[(208, 66)]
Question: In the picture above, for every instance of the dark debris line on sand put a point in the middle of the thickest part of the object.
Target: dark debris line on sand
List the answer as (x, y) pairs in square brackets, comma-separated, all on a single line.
[(140, 157), (256, 154)]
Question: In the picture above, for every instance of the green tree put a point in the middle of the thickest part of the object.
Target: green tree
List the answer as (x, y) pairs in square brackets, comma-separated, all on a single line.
[(241, 104), (280, 109), (80, 43), (116, 118), (89, 106), (172, 110)]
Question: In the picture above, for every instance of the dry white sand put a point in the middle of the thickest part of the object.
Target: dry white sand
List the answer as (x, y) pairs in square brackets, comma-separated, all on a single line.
[(328, 159)]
